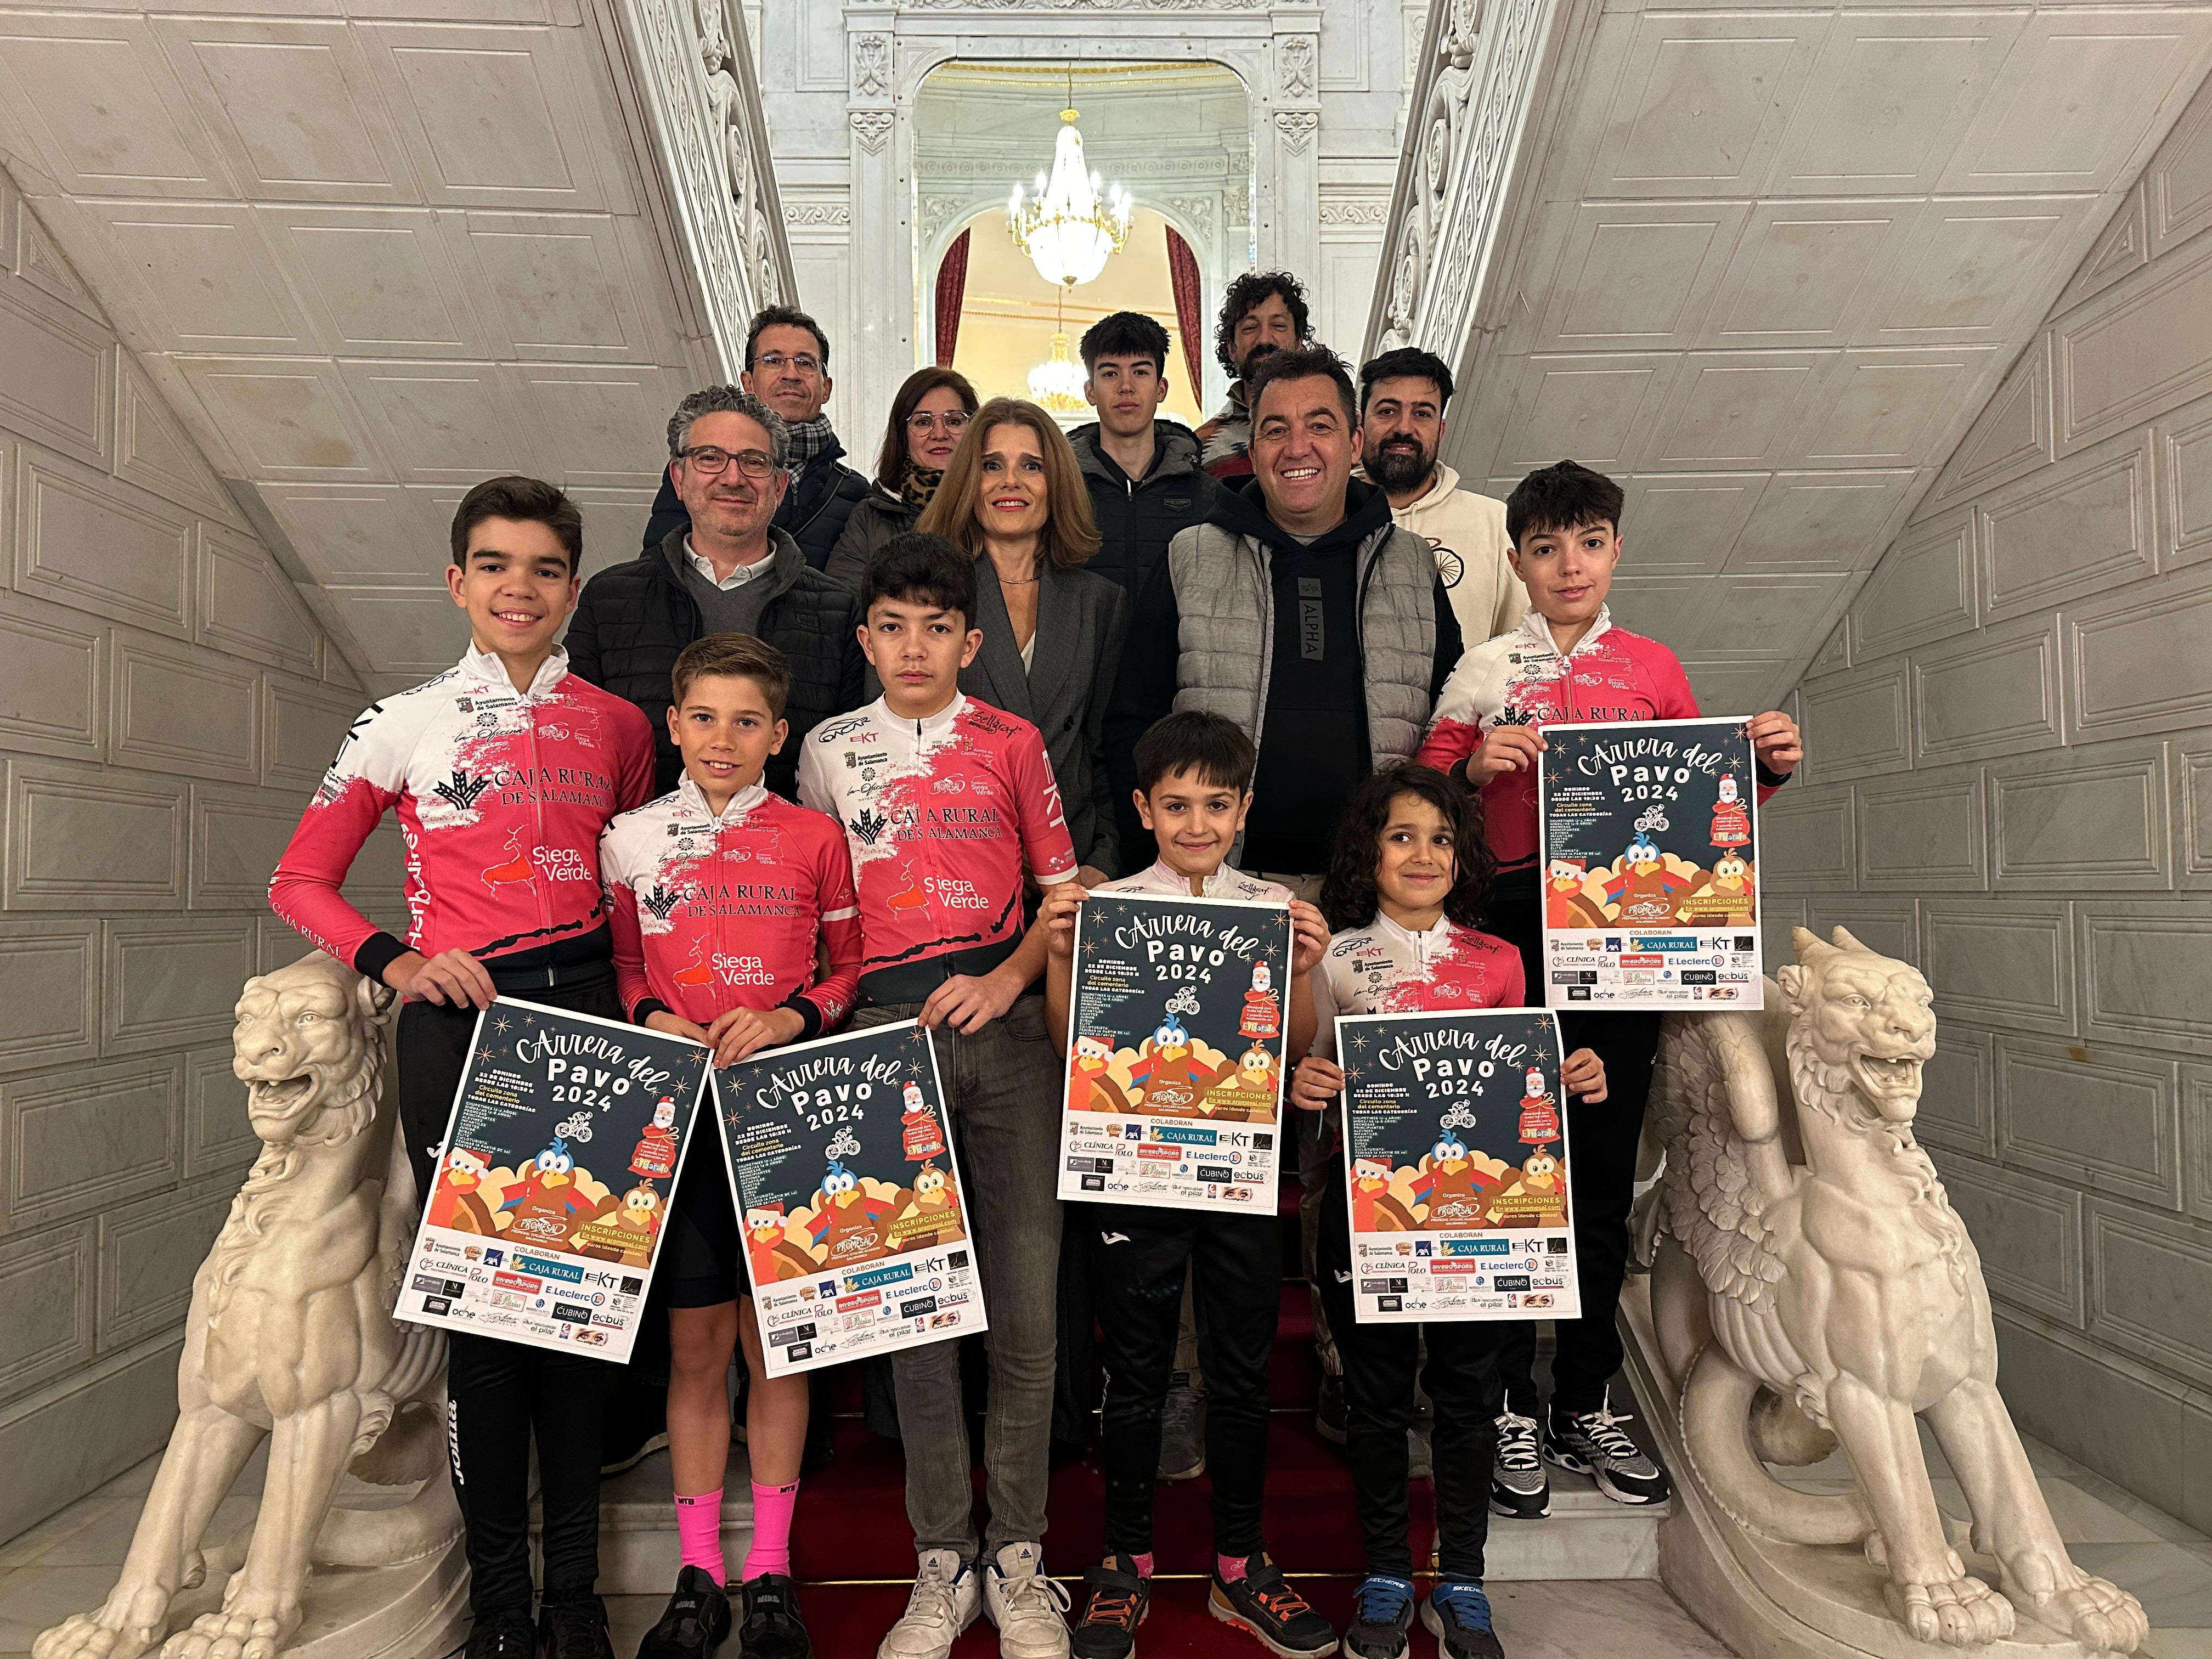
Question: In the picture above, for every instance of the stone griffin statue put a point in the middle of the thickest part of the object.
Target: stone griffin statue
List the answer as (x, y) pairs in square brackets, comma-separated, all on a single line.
[(1811, 1284), (290, 1338)]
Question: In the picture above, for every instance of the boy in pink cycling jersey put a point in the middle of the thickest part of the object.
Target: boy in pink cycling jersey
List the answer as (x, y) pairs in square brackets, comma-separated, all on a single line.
[(722, 897), (946, 802), (1568, 662)]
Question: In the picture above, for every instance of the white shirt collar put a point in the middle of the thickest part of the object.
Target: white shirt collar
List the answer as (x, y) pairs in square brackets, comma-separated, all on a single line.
[(1538, 629), (1167, 878), (737, 578), (740, 804), (486, 665), (1436, 935), (929, 727)]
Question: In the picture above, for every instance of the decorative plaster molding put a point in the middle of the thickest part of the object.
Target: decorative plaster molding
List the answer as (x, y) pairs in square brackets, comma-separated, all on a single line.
[(1196, 211), (871, 65), (935, 212), (872, 127), (1086, 5), (1354, 209), (815, 214), (1297, 126), (1294, 64)]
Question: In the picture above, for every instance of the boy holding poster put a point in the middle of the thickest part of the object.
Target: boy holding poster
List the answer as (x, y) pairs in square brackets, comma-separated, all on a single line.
[(1193, 789), (945, 802), (1408, 883), (721, 897), (502, 897), (1566, 663)]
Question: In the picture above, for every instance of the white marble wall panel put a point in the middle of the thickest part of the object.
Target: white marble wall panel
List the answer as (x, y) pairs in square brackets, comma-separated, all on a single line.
[(1890, 926), (169, 984), (2027, 1232), (2197, 1140), (2186, 504), (2008, 965), (2068, 531), (148, 1254), (2151, 1282), (1924, 591), (301, 726), (218, 1135), (1958, 1100), (2098, 825), (53, 679), (84, 538), (153, 451), (1995, 692), (2146, 972), (2134, 667), (2192, 831), (249, 608), (173, 709), (81, 1140), (2104, 1119), (1808, 840), (84, 837), (2138, 350), (50, 987), (2011, 435), (60, 384), (46, 1299), (237, 836), (1858, 726), (1923, 832)]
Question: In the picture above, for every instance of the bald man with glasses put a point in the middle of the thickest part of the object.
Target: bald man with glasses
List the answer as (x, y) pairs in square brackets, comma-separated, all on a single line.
[(726, 568)]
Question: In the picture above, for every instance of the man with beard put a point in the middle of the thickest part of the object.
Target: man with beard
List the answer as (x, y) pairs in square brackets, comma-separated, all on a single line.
[(1402, 396), (787, 368), (1264, 311)]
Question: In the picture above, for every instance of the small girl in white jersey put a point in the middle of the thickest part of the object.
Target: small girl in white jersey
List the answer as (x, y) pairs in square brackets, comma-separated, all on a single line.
[(1408, 883)]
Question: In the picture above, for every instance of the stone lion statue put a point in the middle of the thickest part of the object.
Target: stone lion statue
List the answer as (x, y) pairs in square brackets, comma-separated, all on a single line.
[(290, 1337), (1811, 1284)]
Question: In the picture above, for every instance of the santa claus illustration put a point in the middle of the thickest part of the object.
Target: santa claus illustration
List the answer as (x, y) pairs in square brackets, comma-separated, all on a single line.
[(1731, 819)]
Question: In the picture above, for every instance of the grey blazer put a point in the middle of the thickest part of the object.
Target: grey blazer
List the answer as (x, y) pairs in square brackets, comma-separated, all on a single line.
[(1081, 619)]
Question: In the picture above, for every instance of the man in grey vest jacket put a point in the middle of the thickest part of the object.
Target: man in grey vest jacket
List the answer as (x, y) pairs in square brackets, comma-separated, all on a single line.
[(1300, 610)]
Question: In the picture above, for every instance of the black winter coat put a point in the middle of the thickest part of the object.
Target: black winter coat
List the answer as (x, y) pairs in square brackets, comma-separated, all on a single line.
[(1137, 518), (634, 617), (813, 513)]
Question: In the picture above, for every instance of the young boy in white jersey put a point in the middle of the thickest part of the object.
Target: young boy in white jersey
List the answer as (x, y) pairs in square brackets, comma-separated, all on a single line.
[(1193, 789), (727, 903), (1408, 886), (948, 804), (502, 772), (1568, 662)]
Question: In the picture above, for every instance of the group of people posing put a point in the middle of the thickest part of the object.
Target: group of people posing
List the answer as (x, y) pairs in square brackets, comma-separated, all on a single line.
[(1284, 658)]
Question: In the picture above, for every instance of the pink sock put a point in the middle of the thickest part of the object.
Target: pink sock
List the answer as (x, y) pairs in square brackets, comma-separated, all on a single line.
[(1143, 1564), (771, 1546), (1229, 1569), (698, 1530)]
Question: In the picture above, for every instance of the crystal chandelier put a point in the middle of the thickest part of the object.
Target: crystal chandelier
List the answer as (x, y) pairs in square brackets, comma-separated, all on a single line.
[(1057, 382), (1067, 232)]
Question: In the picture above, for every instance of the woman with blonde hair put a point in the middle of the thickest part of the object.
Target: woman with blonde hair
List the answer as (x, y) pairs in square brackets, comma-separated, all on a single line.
[(932, 408), (1013, 498)]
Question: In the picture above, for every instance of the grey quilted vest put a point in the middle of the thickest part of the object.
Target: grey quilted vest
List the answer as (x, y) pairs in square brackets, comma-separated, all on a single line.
[(1227, 605)]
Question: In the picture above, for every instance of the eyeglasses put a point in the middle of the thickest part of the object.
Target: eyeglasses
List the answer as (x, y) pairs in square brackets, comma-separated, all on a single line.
[(709, 462), (776, 361), (952, 421)]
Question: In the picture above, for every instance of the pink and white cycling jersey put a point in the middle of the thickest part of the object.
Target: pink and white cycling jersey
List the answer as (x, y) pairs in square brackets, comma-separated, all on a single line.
[(939, 814), (502, 796), (1520, 678), (1224, 884), (1386, 969), (711, 913)]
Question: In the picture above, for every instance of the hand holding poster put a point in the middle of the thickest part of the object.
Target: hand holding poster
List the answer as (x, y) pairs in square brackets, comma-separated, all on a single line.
[(1177, 1026), (544, 1222), (1649, 837), (856, 1236), (1455, 1160)]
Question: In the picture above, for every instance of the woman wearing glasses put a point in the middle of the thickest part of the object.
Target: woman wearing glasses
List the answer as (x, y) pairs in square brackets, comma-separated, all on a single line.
[(1013, 498), (927, 419)]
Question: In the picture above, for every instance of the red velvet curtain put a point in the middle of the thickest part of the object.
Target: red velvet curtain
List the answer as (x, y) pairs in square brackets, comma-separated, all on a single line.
[(951, 289), (1182, 274)]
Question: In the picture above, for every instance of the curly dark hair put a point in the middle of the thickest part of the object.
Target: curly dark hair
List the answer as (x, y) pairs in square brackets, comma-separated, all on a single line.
[(1250, 290), (1348, 894)]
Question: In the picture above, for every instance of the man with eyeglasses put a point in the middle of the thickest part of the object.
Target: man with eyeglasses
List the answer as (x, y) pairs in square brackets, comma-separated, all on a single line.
[(724, 569), (787, 368)]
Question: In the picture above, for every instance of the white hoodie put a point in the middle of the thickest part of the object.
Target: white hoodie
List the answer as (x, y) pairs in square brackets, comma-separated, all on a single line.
[(1468, 532)]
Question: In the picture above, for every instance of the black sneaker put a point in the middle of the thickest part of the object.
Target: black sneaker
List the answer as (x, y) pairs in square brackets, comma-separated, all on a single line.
[(1263, 1603), (772, 1628), (1519, 1490), (1117, 1598), (695, 1621), (1330, 1421), (511, 1635), (1458, 1614), (573, 1627), (1592, 1444), (1382, 1613)]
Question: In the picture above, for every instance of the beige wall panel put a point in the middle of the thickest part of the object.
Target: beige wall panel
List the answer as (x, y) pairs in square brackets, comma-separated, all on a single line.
[(2028, 1233), (50, 988), (177, 709), (85, 837), (1923, 589), (1921, 833), (1994, 693), (2146, 972), (84, 1139), (169, 984), (2068, 532), (2099, 823), (85, 540), (59, 387), (1806, 840), (248, 607), (1857, 726), (2102, 1118), (46, 1307), (149, 1252), (2151, 1282), (218, 1135), (1958, 1102), (2008, 963), (2136, 666), (53, 679)]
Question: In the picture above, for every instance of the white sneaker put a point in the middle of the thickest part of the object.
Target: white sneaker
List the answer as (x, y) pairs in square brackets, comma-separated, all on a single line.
[(1025, 1605), (947, 1595)]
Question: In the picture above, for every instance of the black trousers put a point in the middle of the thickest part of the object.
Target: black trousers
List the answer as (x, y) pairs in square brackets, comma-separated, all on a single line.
[(1380, 1363), (1602, 1140), (500, 1393), (1138, 1258)]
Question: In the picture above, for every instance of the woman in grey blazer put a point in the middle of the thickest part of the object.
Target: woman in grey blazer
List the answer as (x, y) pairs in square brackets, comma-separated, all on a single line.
[(1013, 497)]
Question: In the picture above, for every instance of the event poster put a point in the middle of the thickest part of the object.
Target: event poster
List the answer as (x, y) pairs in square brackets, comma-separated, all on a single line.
[(1455, 1166), (1177, 1026), (1649, 835), (850, 1197), (553, 1182)]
